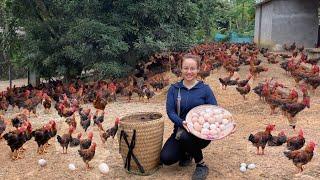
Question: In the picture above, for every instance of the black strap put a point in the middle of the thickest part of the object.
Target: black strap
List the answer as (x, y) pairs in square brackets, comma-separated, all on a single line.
[(130, 151)]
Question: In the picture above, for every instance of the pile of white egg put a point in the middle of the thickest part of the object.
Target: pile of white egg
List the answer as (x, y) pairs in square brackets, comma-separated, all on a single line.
[(210, 123), (244, 167)]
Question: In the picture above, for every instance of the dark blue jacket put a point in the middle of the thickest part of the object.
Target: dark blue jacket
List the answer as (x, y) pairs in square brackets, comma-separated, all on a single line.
[(198, 95)]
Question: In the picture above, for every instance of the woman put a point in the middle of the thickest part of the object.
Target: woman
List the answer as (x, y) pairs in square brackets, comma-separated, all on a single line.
[(182, 146)]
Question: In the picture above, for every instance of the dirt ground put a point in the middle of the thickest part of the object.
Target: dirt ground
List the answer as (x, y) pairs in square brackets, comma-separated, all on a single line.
[(223, 157)]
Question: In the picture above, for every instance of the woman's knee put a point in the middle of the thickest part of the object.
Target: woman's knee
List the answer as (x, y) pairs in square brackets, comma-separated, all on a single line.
[(168, 158)]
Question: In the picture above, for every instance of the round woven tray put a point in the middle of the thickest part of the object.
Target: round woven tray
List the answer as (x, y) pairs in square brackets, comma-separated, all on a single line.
[(149, 137), (212, 107)]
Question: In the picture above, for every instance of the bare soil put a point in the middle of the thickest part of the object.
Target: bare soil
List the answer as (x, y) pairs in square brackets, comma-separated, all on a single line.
[(223, 157)]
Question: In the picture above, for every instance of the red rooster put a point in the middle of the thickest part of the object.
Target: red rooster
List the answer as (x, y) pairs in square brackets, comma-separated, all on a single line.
[(296, 142), (301, 157), (260, 139)]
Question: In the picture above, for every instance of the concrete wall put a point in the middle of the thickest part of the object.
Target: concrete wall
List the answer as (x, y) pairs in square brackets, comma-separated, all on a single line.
[(266, 24), (295, 21), (285, 21)]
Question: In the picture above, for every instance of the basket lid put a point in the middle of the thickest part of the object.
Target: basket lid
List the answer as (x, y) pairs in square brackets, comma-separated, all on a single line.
[(141, 117)]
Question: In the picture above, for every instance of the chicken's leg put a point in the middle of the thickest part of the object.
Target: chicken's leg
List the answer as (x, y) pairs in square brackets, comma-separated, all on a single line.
[(258, 152), (262, 151)]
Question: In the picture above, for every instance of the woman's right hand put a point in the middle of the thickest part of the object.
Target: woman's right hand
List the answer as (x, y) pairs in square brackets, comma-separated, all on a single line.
[(184, 123)]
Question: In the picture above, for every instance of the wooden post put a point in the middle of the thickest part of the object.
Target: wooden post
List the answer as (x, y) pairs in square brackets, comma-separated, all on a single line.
[(10, 78)]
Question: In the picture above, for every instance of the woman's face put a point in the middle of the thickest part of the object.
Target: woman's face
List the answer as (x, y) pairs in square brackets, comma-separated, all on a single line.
[(189, 69)]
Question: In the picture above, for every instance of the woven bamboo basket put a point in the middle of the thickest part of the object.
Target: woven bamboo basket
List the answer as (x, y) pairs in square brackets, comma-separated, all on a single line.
[(149, 129)]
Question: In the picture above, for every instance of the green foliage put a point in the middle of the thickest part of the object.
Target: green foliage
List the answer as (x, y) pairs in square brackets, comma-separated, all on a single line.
[(64, 38)]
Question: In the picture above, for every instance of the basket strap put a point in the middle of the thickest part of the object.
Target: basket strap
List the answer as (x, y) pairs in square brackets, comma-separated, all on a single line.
[(130, 151)]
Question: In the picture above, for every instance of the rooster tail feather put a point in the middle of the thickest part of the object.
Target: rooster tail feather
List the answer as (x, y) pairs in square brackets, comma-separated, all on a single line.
[(287, 154), (59, 138), (251, 138)]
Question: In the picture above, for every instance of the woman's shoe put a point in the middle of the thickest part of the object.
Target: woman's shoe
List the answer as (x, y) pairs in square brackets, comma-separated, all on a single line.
[(201, 172)]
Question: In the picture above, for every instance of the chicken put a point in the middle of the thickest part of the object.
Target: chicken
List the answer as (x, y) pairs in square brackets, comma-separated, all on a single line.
[(66, 112), (15, 140), (76, 141), (46, 102), (100, 103), (86, 143), (65, 139), (244, 82), (53, 130), (296, 142), (3, 125), (301, 157), (98, 118), (41, 136), (85, 118), (244, 90), (314, 82), (104, 135), (256, 70), (278, 140), (260, 139), (292, 109), (71, 121), (88, 154), (226, 81), (148, 93)]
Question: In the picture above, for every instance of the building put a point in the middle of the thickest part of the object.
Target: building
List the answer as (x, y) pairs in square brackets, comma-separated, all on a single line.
[(286, 21)]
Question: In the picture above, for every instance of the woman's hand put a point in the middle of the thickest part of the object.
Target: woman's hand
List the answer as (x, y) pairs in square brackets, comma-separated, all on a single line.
[(184, 123)]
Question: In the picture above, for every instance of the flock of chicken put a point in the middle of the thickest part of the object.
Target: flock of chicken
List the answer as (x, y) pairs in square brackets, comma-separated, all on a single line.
[(149, 76)]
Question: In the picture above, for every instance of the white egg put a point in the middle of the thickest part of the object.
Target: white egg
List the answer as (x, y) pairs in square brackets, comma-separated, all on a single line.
[(213, 126), (243, 164), (104, 168), (222, 127), (225, 121), (211, 120), (204, 131), (201, 120), (42, 162), (251, 166), (208, 110), (243, 169), (72, 167), (206, 125), (217, 124)]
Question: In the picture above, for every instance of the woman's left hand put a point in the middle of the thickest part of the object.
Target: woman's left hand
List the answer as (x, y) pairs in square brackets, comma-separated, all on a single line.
[(184, 123)]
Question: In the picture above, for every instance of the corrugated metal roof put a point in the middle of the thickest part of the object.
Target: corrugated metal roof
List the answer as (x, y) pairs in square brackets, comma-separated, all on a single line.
[(260, 2)]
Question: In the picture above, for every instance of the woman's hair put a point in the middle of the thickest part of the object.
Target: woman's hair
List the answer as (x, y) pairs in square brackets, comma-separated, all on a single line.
[(196, 58)]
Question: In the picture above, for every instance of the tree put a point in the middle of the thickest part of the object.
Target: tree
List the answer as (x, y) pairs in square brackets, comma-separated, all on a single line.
[(10, 35), (67, 37)]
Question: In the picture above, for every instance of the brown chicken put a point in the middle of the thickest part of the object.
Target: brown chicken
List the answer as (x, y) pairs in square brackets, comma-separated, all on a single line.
[(260, 139), (86, 143), (71, 121), (292, 109), (226, 81), (100, 102), (15, 140), (244, 82), (3, 125), (278, 140), (244, 90), (88, 154), (46, 103), (296, 142), (65, 139), (256, 70), (301, 157), (76, 141), (42, 136)]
